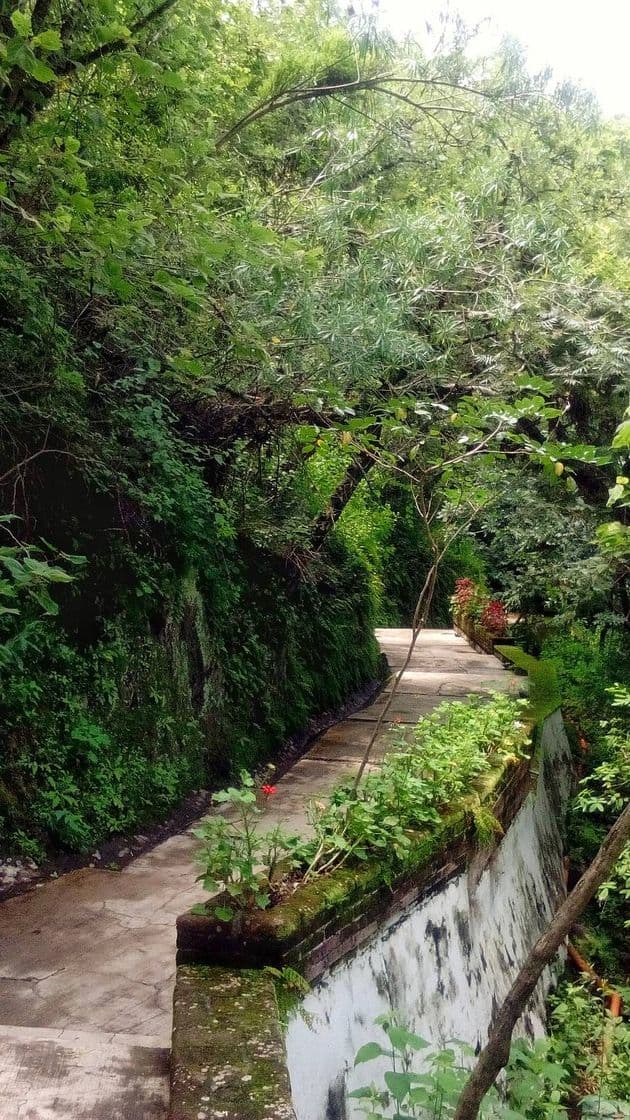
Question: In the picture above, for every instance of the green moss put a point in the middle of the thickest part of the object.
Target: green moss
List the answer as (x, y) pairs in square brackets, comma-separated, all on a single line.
[(340, 894), (333, 895), (544, 693), (108, 737), (227, 1029)]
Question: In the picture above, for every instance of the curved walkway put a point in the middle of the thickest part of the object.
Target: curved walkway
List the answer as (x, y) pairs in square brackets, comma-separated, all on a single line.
[(87, 961)]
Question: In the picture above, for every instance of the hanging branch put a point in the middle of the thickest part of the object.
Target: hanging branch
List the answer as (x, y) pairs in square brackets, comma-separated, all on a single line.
[(379, 83), (420, 616), (328, 518)]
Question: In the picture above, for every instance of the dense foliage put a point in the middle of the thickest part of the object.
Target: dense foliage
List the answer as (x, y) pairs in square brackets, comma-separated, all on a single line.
[(286, 308), (584, 1062), (594, 679)]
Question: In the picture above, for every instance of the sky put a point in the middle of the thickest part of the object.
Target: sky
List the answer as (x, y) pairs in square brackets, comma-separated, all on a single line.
[(581, 40)]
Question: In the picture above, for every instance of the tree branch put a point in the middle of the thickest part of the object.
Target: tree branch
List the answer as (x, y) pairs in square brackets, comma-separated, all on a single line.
[(496, 1052), (328, 518), (378, 83), (36, 455), (117, 44)]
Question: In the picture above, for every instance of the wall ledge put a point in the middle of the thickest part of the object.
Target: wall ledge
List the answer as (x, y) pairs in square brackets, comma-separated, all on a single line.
[(228, 1060), (331, 916)]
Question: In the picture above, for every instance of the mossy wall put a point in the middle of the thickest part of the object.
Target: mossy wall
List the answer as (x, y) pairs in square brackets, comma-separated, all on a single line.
[(175, 692), (444, 960), (438, 944)]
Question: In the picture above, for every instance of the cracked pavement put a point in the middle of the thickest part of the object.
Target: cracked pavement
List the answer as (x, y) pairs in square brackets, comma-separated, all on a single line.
[(87, 961)]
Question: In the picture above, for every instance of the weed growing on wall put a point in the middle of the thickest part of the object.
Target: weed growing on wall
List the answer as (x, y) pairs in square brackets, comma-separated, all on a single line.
[(236, 856), (422, 778)]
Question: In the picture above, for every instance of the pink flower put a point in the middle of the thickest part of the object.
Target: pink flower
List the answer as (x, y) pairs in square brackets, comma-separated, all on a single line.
[(269, 790)]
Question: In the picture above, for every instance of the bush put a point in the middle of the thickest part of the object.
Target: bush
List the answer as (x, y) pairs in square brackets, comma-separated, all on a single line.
[(176, 693), (580, 1030)]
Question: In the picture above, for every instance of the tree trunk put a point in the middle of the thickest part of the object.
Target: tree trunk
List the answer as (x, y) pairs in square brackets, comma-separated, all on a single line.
[(328, 518), (496, 1052)]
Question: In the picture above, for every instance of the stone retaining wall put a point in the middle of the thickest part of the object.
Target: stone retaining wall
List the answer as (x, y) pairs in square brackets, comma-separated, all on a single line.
[(227, 1054)]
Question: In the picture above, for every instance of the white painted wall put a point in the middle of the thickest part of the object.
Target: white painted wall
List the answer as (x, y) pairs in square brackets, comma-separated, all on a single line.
[(445, 962)]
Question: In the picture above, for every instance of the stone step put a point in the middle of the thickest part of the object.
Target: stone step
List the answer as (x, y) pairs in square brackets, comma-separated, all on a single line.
[(48, 1074)]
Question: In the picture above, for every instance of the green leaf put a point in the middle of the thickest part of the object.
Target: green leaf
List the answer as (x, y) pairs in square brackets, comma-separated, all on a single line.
[(622, 435), (110, 32), (398, 1084), (48, 40), (38, 69), (77, 561), (400, 1039), (82, 203), (22, 23), (47, 571), (173, 80), (370, 1051), (223, 913), (15, 568), (43, 598)]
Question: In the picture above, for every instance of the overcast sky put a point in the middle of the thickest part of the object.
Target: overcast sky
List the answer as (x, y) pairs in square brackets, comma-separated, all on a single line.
[(585, 41)]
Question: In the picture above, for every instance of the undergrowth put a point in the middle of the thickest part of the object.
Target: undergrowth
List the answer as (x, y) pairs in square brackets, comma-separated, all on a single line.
[(178, 691)]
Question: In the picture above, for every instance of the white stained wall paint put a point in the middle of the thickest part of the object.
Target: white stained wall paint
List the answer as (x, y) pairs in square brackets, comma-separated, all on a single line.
[(444, 964)]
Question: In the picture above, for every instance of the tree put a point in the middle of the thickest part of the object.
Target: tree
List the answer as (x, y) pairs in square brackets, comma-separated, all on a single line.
[(495, 1054), (226, 269)]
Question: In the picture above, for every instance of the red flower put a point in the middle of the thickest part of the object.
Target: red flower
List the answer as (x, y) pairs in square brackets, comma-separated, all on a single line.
[(269, 790)]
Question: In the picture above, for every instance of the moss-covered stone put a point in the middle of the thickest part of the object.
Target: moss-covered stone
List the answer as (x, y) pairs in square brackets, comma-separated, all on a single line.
[(544, 693), (228, 1058), (342, 900)]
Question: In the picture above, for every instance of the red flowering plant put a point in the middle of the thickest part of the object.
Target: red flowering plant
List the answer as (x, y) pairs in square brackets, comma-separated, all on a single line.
[(238, 860), (494, 618), (464, 592), (472, 602), (469, 599)]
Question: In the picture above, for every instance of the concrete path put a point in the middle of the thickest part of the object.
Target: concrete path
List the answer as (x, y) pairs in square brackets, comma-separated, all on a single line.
[(87, 961)]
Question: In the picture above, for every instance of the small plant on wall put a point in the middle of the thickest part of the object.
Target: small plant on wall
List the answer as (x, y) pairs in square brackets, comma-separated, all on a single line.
[(238, 859), (420, 782)]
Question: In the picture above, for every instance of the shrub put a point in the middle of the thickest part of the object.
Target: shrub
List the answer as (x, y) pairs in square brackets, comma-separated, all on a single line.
[(235, 856), (533, 1090), (471, 601), (494, 618), (593, 1046)]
